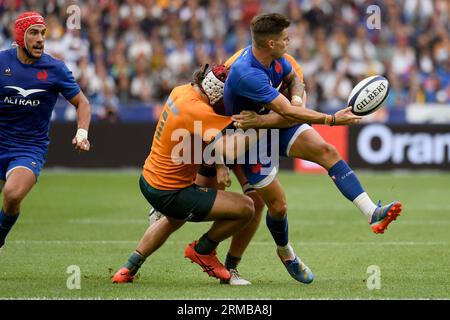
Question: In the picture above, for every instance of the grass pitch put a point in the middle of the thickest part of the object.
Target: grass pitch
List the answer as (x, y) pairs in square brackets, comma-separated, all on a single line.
[(93, 220)]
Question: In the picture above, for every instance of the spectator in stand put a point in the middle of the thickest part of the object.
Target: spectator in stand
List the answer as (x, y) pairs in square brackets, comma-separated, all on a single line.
[(141, 85), (413, 44), (398, 96)]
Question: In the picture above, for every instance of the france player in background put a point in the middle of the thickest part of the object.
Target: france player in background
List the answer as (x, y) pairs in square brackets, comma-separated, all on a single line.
[(30, 82)]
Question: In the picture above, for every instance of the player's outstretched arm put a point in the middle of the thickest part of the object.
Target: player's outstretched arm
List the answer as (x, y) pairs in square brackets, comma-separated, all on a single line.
[(282, 106), (81, 103)]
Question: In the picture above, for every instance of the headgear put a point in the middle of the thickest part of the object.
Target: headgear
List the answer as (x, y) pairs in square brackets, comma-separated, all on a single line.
[(213, 83), (23, 23)]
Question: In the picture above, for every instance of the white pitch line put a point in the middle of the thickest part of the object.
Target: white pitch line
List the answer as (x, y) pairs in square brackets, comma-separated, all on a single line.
[(336, 222), (155, 299), (59, 298), (62, 242), (144, 221), (297, 222), (108, 221), (259, 243)]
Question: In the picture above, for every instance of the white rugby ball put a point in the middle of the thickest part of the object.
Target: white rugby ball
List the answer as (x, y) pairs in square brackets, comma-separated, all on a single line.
[(368, 95)]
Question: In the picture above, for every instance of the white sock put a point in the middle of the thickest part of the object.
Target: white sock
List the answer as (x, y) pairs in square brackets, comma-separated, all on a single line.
[(286, 252), (365, 204)]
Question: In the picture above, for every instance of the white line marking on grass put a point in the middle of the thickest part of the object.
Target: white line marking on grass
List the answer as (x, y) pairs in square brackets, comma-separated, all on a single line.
[(259, 243), (64, 242), (88, 221), (108, 221), (337, 222), (62, 298), (150, 299), (296, 222)]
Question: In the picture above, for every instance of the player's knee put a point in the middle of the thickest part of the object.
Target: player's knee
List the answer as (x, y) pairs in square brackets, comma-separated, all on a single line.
[(12, 198), (248, 208), (278, 209), (327, 154), (329, 151), (259, 205)]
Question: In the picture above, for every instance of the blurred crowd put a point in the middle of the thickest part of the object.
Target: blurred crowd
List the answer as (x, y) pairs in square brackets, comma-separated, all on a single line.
[(133, 52)]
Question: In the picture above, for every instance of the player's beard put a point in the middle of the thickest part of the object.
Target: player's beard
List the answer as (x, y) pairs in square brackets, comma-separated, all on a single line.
[(35, 52)]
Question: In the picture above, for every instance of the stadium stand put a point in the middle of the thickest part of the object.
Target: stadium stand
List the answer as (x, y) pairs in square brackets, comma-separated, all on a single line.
[(127, 55)]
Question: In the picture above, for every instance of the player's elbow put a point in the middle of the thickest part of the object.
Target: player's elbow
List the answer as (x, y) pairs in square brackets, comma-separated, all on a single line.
[(80, 101)]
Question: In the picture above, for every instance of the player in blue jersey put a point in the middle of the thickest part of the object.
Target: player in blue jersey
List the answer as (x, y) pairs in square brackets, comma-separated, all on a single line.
[(251, 86), (30, 82)]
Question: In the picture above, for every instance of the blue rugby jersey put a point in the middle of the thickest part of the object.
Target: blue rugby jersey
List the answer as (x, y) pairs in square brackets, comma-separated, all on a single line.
[(250, 84), (28, 94)]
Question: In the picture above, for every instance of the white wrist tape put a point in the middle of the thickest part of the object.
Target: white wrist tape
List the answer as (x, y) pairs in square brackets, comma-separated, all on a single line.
[(297, 99), (81, 135)]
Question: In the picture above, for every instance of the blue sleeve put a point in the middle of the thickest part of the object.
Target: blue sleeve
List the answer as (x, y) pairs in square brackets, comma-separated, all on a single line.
[(287, 67), (256, 87), (67, 85)]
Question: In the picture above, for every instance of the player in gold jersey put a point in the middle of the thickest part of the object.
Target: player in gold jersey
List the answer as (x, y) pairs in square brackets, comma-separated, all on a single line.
[(168, 176)]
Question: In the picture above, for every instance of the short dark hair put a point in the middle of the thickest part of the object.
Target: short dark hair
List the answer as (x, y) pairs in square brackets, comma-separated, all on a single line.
[(267, 24)]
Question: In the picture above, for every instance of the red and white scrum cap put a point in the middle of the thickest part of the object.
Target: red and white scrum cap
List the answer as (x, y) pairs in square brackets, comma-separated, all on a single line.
[(24, 22), (214, 82)]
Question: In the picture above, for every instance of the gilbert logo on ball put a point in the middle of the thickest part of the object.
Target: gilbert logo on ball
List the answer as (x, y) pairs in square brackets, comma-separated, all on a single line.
[(368, 95)]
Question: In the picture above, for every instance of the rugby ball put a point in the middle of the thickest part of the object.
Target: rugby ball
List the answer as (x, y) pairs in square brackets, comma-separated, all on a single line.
[(368, 95)]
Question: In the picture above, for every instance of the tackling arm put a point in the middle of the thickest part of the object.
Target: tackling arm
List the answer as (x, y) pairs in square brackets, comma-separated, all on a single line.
[(250, 119)]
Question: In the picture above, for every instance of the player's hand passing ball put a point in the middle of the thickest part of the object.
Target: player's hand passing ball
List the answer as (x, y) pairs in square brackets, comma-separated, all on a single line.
[(346, 116), (80, 141)]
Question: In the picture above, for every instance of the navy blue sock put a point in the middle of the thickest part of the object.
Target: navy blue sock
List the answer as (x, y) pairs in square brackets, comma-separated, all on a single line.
[(278, 229), (134, 262), (346, 180), (231, 262), (205, 245), (6, 223)]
